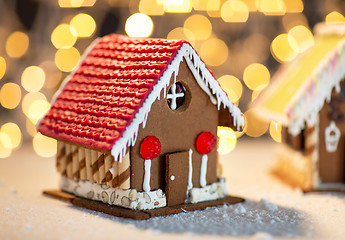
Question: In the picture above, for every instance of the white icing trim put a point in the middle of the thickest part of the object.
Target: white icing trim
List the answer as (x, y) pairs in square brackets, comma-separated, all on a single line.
[(70, 75), (147, 175), (173, 96), (332, 137), (190, 171), (210, 192), (127, 198), (207, 82), (203, 170)]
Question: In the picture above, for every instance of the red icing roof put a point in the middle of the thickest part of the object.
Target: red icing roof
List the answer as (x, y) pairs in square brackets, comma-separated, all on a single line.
[(103, 95)]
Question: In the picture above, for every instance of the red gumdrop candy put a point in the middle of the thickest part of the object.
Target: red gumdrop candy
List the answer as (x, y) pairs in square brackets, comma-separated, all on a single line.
[(206, 142), (150, 147)]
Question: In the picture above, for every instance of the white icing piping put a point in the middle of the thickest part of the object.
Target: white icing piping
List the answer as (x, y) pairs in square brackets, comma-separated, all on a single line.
[(203, 170), (186, 51), (323, 89), (66, 80), (190, 173), (147, 175)]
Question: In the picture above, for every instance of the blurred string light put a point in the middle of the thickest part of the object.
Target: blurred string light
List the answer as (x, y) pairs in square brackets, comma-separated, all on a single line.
[(199, 25), (83, 24), (182, 33), (294, 6), (291, 20), (151, 7), (64, 36), (300, 38), (44, 146), (275, 131), (29, 99), (11, 136), (256, 76), (67, 59), (2, 67), (334, 17), (17, 44), (177, 6), (255, 127), (232, 86), (281, 49), (234, 11), (214, 52), (76, 3), (53, 74), (33, 79), (30, 127), (4, 151), (227, 140), (139, 25), (10, 95), (200, 5), (272, 7), (37, 109), (213, 8)]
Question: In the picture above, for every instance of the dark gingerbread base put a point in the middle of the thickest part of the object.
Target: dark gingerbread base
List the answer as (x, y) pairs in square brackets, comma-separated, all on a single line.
[(137, 214)]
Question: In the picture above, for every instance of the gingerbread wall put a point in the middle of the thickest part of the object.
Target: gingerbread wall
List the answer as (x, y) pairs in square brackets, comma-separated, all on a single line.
[(177, 131), (332, 164)]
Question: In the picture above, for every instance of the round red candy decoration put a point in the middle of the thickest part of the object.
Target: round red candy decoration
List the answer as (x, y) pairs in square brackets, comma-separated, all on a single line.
[(150, 147), (206, 142)]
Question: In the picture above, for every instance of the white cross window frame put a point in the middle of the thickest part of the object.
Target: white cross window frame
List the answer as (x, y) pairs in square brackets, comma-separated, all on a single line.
[(173, 96)]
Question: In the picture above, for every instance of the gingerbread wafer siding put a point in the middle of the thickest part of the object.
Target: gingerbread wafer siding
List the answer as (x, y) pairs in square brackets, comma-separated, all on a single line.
[(312, 147), (75, 164), (108, 164), (61, 157), (101, 173), (88, 164), (69, 161), (82, 163), (124, 176), (94, 166)]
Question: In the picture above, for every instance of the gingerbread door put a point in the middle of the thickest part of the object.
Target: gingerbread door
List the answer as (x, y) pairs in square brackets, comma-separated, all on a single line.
[(176, 177)]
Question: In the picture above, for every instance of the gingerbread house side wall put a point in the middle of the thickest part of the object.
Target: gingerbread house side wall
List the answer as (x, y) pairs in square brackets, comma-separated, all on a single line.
[(177, 130)]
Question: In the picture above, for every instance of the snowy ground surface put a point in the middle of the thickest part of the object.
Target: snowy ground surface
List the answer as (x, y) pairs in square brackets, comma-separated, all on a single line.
[(272, 210)]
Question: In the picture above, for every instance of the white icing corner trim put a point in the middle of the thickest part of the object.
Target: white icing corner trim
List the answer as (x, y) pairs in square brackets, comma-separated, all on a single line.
[(207, 82), (210, 192)]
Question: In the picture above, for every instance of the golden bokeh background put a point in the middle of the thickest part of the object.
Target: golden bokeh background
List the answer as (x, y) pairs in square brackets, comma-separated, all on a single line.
[(241, 41)]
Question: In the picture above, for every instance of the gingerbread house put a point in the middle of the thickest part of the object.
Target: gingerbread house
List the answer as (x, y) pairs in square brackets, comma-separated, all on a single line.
[(136, 125), (308, 97)]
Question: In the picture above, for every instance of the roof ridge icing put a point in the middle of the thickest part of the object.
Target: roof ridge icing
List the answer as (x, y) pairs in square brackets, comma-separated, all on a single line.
[(205, 81)]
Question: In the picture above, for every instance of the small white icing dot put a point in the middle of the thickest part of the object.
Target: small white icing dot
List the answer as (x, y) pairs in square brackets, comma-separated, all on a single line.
[(172, 177)]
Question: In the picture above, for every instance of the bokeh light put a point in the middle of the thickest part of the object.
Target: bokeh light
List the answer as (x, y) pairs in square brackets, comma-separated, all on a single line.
[(232, 86), (257, 91), (213, 8), (29, 98), (2, 67), (272, 7), (17, 44), (255, 126), (182, 33), (214, 52), (256, 75), (334, 17), (252, 5), (139, 25), (281, 49), (151, 7), (44, 146), (33, 79), (227, 140), (200, 5), (300, 38), (234, 11), (53, 74), (76, 3), (83, 24), (10, 95), (177, 6), (276, 131), (30, 127), (63, 36), (67, 59), (37, 109), (14, 135), (294, 6), (4, 152), (199, 25)]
